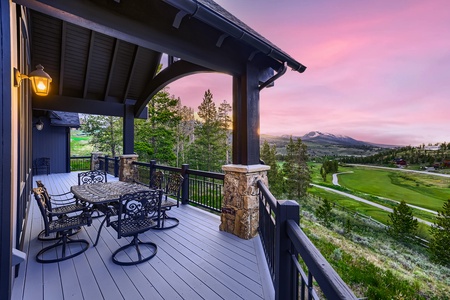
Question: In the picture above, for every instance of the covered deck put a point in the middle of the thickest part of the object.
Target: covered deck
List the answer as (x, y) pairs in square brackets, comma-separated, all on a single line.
[(194, 261)]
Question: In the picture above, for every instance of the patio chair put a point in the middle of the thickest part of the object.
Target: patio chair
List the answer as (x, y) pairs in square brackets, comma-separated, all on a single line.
[(172, 189), (41, 163), (92, 177), (59, 207), (157, 180), (63, 226), (137, 212)]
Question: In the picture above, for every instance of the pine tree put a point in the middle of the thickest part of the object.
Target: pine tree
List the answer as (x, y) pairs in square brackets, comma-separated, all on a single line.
[(439, 245), (324, 212), (206, 152), (106, 133), (402, 224), (184, 133), (155, 137), (296, 170), (268, 155), (224, 119)]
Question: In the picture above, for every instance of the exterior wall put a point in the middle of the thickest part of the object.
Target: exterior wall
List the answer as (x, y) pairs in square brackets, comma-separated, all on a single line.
[(15, 133), (51, 142)]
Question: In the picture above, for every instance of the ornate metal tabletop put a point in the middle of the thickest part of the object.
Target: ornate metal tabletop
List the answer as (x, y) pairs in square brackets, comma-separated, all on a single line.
[(105, 192)]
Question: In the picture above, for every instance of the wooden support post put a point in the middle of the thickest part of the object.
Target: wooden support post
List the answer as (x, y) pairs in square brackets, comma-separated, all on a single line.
[(286, 275)]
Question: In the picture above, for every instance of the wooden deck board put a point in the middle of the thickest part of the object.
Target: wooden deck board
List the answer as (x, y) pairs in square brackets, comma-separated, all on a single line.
[(194, 261)]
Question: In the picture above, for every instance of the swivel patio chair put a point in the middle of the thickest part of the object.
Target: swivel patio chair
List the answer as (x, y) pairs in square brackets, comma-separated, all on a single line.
[(137, 212), (63, 226), (172, 189), (92, 177), (60, 205), (157, 180)]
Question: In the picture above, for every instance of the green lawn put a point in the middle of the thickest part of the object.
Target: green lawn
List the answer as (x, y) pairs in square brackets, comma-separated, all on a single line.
[(80, 144), (418, 189)]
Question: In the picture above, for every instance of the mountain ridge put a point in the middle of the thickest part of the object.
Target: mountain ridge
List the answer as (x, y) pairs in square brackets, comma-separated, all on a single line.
[(325, 138)]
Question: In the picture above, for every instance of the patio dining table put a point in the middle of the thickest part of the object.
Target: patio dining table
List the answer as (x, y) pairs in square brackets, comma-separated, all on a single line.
[(105, 195)]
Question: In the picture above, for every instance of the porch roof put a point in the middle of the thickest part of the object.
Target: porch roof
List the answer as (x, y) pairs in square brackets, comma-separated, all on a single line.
[(194, 261), (105, 54)]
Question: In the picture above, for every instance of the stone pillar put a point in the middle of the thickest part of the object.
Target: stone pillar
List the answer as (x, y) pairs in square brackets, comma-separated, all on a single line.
[(95, 163), (127, 171), (240, 206)]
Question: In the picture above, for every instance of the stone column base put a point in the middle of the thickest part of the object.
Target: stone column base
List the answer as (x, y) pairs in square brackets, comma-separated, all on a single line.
[(240, 206), (95, 163), (127, 171)]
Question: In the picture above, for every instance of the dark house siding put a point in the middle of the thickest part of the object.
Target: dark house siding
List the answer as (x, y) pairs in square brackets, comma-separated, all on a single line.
[(52, 142)]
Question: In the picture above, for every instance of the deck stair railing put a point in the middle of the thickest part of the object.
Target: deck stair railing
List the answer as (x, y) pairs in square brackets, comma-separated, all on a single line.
[(288, 250)]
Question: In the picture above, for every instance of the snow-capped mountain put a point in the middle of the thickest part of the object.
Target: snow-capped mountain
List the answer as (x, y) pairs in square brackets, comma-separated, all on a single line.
[(328, 138)]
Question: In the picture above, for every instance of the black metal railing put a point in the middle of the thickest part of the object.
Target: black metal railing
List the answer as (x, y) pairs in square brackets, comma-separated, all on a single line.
[(200, 188), (287, 249), (206, 189), (80, 163), (109, 164)]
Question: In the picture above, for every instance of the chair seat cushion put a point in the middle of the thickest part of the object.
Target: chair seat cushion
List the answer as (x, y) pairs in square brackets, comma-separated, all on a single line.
[(131, 227)]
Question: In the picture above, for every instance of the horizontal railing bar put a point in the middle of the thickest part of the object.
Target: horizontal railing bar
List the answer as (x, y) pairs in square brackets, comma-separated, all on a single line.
[(329, 281)]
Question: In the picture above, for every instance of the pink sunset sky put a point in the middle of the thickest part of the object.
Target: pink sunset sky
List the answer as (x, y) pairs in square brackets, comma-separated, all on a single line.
[(377, 71)]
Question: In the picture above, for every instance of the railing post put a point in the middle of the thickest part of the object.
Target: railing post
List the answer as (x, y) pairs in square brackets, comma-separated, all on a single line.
[(286, 278), (116, 166), (152, 169), (185, 186), (106, 164)]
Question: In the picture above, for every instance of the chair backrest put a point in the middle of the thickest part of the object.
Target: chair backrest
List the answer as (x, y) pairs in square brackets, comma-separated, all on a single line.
[(90, 177), (138, 210), (39, 183), (43, 207), (173, 187), (156, 182)]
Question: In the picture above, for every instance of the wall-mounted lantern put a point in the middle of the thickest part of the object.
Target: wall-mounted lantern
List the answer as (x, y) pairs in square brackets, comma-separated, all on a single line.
[(39, 80), (39, 125)]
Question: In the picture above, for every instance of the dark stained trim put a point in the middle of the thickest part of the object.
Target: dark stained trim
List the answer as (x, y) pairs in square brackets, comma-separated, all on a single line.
[(128, 130), (173, 72), (70, 104), (6, 238), (132, 69), (111, 70), (88, 64)]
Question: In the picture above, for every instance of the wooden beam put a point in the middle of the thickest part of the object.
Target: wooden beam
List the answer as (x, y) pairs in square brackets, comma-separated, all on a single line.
[(111, 69), (246, 117), (173, 72)]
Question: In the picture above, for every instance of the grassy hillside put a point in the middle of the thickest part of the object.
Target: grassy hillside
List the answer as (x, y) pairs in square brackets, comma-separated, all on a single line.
[(80, 144)]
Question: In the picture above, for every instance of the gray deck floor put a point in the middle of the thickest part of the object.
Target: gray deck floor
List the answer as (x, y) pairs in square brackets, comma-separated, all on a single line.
[(194, 261)]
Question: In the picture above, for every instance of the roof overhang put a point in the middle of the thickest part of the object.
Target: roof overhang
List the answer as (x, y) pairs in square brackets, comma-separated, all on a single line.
[(105, 55)]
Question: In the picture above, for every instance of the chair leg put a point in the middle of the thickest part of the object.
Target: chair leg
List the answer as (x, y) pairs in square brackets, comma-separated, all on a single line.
[(166, 222), (56, 235), (62, 243), (137, 245)]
